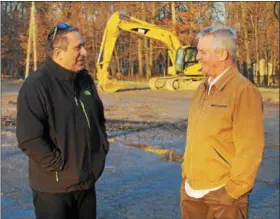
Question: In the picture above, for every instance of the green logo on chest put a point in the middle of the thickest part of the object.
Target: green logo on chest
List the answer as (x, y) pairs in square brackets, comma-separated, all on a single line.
[(87, 93)]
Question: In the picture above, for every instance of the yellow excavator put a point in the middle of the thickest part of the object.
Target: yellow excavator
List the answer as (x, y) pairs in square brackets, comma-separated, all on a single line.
[(184, 68)]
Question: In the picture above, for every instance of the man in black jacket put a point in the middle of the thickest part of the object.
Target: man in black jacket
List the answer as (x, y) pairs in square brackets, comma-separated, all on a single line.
[(61, 128)]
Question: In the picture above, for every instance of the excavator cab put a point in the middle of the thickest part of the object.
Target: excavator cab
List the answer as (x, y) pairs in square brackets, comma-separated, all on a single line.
[(180, 59), (186, 57), (191, 65), (190, 55)]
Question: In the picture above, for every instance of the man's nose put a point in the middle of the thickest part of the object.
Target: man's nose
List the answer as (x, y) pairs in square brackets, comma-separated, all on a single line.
[(84, 51), (198, 56)]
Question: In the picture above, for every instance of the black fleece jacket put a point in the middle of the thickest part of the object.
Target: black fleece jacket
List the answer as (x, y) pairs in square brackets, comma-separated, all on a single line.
[(61, 127)]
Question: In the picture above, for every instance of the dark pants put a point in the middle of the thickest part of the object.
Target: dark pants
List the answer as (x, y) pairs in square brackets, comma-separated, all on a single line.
[(211, 207), (72, 205)]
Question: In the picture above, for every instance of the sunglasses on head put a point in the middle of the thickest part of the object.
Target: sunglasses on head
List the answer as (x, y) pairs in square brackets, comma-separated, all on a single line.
[(61, 27)]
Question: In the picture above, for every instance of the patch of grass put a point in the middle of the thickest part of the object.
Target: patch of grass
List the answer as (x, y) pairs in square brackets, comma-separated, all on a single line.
[(264, 89), (270, 94)]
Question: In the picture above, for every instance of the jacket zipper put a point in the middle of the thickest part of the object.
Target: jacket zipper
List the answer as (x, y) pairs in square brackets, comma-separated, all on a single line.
[(83, 109), (85, 113), (56, 176), (191, 145), (88, 123), (194, 137), (56, 172)]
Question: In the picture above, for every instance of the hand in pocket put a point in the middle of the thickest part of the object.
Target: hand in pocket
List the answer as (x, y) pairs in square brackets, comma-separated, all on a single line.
[(225, 198)]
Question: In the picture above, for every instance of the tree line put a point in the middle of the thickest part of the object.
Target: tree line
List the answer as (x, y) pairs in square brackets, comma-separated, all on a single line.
[(256, 23)]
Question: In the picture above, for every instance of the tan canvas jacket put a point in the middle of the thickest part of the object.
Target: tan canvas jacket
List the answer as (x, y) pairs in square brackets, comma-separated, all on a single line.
[(225, 136)]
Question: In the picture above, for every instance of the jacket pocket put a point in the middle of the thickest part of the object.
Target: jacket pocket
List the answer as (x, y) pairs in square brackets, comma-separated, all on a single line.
[(70, 175), (221, 156), (219, 105), (98, 163)]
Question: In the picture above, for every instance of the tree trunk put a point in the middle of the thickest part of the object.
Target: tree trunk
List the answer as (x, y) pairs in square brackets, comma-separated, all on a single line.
[(113, 67), (147, 59), (34, 34), (276, 67), (130, 72), (146, 45), (140, 58), (246, 40), (270, 72), (14, 70), (117, 61), (255, 25), (173, 11), (265, 79), (151, 41), (29, 46)]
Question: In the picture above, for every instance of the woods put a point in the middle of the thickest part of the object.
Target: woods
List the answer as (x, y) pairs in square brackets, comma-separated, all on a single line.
[(256, 23)]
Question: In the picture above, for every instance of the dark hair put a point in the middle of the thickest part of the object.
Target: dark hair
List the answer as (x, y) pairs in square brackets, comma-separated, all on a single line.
[(60, 39)]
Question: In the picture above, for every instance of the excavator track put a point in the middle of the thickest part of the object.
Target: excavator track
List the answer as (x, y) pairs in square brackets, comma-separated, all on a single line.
[(175, 83)]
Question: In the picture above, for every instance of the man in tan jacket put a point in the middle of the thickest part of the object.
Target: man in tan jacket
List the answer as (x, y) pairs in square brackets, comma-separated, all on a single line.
[(225, 136)]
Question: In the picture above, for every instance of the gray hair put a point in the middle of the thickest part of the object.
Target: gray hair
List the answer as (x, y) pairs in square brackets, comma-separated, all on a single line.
[(224, 36)]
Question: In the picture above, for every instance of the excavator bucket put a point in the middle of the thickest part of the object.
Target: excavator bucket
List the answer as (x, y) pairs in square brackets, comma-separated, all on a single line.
[(107, 84), (110, 86)]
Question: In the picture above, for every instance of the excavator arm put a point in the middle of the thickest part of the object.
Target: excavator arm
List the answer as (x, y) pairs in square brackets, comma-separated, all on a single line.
[(120, 21)]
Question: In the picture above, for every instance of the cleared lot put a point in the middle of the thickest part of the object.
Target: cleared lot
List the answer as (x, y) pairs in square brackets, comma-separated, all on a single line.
[(136, 183)]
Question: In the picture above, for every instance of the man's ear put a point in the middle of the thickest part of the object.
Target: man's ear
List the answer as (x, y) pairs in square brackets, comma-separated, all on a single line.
[(223, 54), (57, 53)]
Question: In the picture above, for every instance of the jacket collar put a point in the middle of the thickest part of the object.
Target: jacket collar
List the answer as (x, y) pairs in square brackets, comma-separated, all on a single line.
[(225, 79), (61, 73), (222, 82)]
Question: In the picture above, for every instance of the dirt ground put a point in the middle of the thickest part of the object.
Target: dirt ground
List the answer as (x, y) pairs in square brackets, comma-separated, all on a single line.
[(139, 118), (144, 103)]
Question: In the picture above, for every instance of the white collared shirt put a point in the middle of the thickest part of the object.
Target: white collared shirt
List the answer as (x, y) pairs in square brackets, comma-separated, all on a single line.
[(202, 192), (211, 81)]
